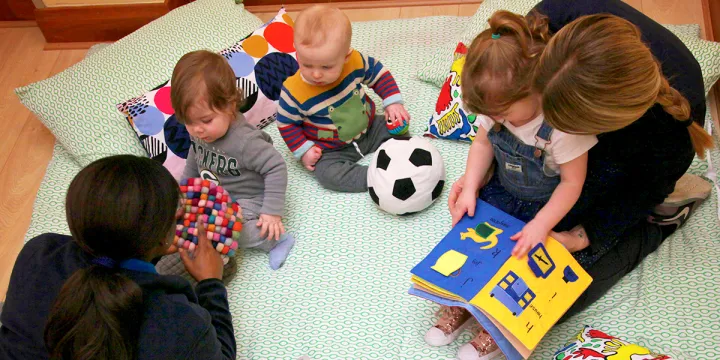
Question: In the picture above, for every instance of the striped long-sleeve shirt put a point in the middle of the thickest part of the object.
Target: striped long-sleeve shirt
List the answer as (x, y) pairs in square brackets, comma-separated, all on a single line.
[(333, 115)]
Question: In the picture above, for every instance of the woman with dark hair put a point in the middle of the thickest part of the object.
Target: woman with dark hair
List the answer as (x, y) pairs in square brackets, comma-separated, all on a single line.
[(96, 294)]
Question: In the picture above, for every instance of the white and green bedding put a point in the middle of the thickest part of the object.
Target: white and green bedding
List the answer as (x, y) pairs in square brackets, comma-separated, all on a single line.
[(343, 292)]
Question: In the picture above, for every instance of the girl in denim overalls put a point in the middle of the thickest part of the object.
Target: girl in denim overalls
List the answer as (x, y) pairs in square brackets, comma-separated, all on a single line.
[(538, 171)]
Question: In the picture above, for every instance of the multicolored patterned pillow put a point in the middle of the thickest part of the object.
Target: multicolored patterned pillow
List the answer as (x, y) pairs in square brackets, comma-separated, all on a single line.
[(261, 61), (450, 119), (591, 344), (79, 104)]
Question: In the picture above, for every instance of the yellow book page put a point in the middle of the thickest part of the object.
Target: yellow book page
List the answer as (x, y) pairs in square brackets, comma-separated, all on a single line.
[(527, 305)]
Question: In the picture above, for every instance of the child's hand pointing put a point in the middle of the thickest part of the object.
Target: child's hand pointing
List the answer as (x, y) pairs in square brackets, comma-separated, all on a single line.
[(532, 234)]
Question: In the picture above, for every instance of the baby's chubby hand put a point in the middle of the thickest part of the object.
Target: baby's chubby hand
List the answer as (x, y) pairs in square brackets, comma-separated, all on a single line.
[(270, 225), (311, 157), (397, 113)]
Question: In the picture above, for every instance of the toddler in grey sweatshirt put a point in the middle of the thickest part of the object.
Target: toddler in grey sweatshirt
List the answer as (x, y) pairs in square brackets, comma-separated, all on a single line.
[(230, 152)]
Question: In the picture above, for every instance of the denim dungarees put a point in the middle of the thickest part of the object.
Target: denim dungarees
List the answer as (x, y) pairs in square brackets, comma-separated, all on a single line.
[(522, 183)]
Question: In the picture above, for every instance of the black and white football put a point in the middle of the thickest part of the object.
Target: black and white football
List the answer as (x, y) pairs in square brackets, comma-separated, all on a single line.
[(406, 175)]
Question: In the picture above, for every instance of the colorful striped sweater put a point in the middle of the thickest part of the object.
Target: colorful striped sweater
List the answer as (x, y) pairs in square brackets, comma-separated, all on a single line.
[(333, 115)]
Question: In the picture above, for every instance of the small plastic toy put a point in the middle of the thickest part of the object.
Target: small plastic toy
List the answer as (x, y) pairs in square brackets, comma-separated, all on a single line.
[(398, 129), (223, 223)]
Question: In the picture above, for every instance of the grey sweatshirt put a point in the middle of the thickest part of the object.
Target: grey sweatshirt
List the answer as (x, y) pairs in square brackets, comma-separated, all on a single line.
[(246, 164)]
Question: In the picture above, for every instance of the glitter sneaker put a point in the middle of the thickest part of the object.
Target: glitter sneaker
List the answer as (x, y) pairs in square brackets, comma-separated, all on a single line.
[(481, 347), (452, 321)]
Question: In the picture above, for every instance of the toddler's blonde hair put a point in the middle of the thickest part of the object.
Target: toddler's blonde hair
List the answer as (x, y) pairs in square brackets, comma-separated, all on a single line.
[(316, 24), (596, 76)]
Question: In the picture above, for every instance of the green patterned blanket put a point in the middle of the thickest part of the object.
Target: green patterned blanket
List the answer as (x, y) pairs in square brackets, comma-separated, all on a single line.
[(343, 292)]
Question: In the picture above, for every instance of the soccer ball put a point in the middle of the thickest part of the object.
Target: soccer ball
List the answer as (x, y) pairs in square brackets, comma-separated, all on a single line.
[(406, 175)]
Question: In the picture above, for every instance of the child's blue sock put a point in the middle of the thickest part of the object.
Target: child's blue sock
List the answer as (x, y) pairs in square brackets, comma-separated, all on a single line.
[(281, 251)]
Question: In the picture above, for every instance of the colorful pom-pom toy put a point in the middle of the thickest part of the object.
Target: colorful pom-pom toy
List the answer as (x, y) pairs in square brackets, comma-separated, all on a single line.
[(221, 216)]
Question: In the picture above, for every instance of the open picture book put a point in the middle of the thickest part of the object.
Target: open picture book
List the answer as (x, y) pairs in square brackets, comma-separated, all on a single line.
[(516, 300)]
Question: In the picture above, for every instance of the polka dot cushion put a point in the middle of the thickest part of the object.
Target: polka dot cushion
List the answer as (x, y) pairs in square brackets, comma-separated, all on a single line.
[(221, 216), (78, 104), (261, 62)]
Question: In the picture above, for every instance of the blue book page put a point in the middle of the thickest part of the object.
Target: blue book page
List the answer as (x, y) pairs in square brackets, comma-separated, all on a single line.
[(465, 260)]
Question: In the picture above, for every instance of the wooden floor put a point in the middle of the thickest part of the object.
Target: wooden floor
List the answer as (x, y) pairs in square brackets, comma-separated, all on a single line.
[(26, 145)]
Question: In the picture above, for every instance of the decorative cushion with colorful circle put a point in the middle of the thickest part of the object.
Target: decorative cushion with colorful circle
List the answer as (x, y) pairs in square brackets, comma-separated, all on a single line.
[(591, 344), (450, 119), (261, 61), (221, 216)]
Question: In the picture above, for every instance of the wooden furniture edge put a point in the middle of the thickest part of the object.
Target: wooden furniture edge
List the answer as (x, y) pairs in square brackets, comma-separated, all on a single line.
[(18, 24), (17, 10), (72, 45), (98, 23)]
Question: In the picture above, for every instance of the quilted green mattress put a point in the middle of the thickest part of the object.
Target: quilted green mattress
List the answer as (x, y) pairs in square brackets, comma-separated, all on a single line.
[(343, 292)]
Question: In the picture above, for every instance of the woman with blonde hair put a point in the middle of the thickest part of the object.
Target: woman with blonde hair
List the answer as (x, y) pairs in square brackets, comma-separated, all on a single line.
[(610, 71)]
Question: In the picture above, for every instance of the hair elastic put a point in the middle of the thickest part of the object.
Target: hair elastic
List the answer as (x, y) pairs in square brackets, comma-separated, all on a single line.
[(495, 36), (105, 261)]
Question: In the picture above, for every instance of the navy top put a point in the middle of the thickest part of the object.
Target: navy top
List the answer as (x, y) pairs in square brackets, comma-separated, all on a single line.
[(179, 322), (633, 169)]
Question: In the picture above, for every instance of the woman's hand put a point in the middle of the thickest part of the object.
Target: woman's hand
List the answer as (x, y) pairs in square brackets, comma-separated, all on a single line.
[(206, 262), (573, 240), (271, 225)]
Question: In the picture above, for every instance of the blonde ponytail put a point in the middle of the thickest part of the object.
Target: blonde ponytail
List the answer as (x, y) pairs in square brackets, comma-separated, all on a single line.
[(701, 140), (672, 101)]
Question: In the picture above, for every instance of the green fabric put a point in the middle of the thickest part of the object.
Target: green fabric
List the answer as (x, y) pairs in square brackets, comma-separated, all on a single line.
[(437, 65), (685, 30), (342, 293), (77, 105), (707, 53)]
